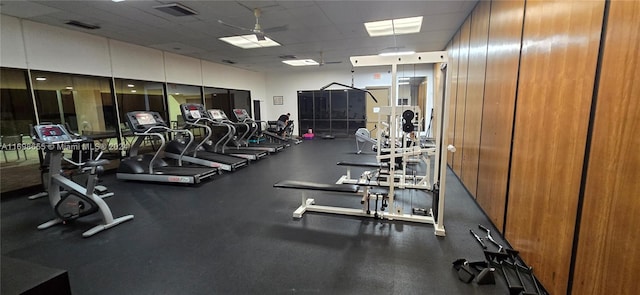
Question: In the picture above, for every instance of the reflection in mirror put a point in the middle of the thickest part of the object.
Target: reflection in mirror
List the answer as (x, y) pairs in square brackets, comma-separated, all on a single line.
[(413, 89), (217, 98), (19, 165), (84, 103), (178, 94)]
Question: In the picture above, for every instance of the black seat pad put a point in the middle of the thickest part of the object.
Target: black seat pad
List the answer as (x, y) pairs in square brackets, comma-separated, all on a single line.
[(295, 184)]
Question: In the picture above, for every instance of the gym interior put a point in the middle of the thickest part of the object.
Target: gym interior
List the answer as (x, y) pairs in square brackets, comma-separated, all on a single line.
[(490, 149)]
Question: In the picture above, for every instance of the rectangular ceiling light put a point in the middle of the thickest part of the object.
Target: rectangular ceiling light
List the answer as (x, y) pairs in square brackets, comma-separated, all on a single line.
[(301, 62), (249, 41), (397, 26)]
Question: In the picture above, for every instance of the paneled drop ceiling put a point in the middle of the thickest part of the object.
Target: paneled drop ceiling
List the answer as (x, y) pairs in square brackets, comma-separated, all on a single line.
[(335, 28)]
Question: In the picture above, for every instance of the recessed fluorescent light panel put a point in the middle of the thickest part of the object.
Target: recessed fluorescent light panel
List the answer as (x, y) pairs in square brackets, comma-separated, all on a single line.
[(249, 41), (301, 62), (397, 26), (41, 79)]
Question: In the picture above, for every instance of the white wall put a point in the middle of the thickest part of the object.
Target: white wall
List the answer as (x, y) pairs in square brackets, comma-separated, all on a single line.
[(287, 84), (54, 49), (12, 53), (131, 61)]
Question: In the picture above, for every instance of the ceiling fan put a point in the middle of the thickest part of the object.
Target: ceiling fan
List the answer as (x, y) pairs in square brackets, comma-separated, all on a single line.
[(322, 62), (257, 29)]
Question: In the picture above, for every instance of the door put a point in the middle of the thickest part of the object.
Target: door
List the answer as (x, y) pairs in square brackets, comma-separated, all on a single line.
[(382, 95)]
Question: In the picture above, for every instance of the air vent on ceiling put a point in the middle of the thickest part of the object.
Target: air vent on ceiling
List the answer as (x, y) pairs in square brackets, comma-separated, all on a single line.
[(176, 9), (228, 61), (79, 24), (289, 56)]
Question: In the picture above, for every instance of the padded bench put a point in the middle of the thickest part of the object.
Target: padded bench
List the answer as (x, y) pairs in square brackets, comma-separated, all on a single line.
[(365, 191), (338, 188), (365, 164)]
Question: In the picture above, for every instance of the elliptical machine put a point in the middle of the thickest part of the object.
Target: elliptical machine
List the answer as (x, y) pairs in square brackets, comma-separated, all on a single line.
[(78, 201)]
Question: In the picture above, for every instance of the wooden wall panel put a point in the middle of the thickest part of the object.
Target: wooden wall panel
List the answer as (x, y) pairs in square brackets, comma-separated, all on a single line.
[(503, 58), (607, 258), (454, 51), (463, 59), (475, 95), (557, 72)]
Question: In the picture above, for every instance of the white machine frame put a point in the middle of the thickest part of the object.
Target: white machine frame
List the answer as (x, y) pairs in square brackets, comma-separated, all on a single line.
[(440, 116)]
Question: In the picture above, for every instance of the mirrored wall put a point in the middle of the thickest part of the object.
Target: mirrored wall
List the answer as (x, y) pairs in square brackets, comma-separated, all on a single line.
[(92, 106), (19, 166)]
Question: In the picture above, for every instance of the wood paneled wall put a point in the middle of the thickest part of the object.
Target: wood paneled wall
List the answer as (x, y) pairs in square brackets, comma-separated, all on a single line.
[(475, 95), (539, 120), (607, 256), (503, 59), (560, 45), (461, 97), (454, 52)]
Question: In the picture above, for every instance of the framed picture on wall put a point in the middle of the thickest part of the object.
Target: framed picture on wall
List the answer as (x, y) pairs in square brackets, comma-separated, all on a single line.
[(277, 100)]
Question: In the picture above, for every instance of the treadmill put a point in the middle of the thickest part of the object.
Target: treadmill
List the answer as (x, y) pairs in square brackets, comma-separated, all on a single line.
[(196, 116), (219, 118), (252, 127), (151, 167)]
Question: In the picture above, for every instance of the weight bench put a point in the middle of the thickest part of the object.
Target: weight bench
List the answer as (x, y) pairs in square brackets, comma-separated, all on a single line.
[(367, 192)]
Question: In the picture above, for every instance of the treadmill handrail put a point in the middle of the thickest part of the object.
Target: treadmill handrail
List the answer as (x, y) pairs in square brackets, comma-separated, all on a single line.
[(142, 135), (209, 132), (163, 141)]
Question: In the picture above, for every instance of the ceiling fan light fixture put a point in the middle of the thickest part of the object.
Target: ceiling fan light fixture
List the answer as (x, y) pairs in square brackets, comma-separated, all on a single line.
[(301, 62)]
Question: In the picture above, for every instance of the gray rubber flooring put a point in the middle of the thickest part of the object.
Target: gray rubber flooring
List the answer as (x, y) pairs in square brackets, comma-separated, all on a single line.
[(235, 235)]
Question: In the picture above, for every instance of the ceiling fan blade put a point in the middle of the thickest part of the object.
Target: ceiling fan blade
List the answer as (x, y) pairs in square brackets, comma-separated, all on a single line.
[(276, 29), (234, 26), (332, 62)]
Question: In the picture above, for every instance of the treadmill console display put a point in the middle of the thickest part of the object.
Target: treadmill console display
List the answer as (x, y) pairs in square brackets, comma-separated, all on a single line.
[(143, 121), (218, 115), (52, 133), (241, 114), (192, 111)]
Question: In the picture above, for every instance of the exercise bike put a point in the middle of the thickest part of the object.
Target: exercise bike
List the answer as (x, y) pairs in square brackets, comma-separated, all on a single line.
[(79, 174), (78, 201)]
